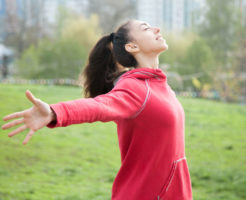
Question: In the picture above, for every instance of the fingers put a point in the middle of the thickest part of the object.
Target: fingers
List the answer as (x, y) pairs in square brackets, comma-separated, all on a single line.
[(14, 115), (29, 135), (31, 97), (13, 123), (18, 130)]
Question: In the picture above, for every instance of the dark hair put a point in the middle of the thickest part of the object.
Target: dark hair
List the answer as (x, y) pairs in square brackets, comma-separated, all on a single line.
[(101, 70)]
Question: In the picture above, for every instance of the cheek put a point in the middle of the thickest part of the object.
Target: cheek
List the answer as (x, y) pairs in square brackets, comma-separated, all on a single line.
[(146, 42)]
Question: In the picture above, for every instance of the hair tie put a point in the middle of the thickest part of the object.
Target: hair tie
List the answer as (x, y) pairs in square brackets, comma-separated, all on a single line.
[(111, 36)]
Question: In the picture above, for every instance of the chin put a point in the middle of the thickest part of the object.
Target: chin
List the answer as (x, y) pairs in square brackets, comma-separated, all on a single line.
[(164, 48)]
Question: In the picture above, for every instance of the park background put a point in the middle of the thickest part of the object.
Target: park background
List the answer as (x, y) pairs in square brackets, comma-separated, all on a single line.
[(44, 46)]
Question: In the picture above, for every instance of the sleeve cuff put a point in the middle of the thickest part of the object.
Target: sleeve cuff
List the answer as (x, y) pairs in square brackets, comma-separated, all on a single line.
[(57, 108)]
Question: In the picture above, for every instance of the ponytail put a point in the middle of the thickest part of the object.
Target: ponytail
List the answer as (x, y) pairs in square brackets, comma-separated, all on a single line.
[(102, 68)]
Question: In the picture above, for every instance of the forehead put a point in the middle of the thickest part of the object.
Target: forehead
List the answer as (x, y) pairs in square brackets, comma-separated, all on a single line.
[(137, 24)]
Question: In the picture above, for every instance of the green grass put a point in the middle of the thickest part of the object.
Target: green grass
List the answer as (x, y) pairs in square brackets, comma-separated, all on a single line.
[(80, 162)]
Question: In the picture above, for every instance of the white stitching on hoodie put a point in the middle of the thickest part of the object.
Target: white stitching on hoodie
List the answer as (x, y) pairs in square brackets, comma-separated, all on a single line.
[(175, 165), (145, 101), (148, 89)]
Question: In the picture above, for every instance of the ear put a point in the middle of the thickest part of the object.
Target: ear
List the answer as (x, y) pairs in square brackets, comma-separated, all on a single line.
[(131, 47)]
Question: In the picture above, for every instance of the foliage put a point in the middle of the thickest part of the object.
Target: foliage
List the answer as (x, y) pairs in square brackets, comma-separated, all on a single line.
[(198, 60), (112, 13), (189, 54), (219, 28), (196, 83), (215, 55), (23, 30), (224, 32), (177, 46), (63, 56), (28, 64)]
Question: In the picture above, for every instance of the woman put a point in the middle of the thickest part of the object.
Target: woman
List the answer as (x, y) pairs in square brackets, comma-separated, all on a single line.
[(124, 84)]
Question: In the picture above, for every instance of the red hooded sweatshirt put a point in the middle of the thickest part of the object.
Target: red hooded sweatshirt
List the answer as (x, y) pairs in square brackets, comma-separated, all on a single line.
[(150, 125)]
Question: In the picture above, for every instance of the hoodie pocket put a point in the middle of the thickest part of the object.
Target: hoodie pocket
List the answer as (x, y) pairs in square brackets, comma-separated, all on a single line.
[(178, 184)]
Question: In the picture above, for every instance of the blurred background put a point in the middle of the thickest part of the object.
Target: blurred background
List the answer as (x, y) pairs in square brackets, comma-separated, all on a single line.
[(44, 45), (51, 39)]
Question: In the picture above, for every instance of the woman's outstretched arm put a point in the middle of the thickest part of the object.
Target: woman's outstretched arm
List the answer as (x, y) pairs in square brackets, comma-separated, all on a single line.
[(123, 101), (34, 118)]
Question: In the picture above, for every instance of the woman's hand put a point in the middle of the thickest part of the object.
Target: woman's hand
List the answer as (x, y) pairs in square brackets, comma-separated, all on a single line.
[(34, 118)]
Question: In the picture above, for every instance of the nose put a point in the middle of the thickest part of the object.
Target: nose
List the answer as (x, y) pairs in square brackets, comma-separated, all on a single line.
[(157, 29)]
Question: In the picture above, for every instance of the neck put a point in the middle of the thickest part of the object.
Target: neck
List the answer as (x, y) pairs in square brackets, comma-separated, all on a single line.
[(149, 61)]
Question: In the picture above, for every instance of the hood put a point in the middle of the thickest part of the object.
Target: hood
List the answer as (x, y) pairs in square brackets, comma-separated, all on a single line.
[(144, 73)]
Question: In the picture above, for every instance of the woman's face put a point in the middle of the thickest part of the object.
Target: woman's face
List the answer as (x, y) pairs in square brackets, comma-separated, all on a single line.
[(146, 39)]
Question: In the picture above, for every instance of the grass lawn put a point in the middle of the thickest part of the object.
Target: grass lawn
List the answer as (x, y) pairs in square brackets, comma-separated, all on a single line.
[(80, 162)]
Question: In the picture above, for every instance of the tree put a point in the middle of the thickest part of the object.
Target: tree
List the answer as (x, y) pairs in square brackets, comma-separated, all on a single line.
[(26, 28), (220, 31), (219, 28), (198, 60), (112, 13), (178, 45), (63, 56)]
